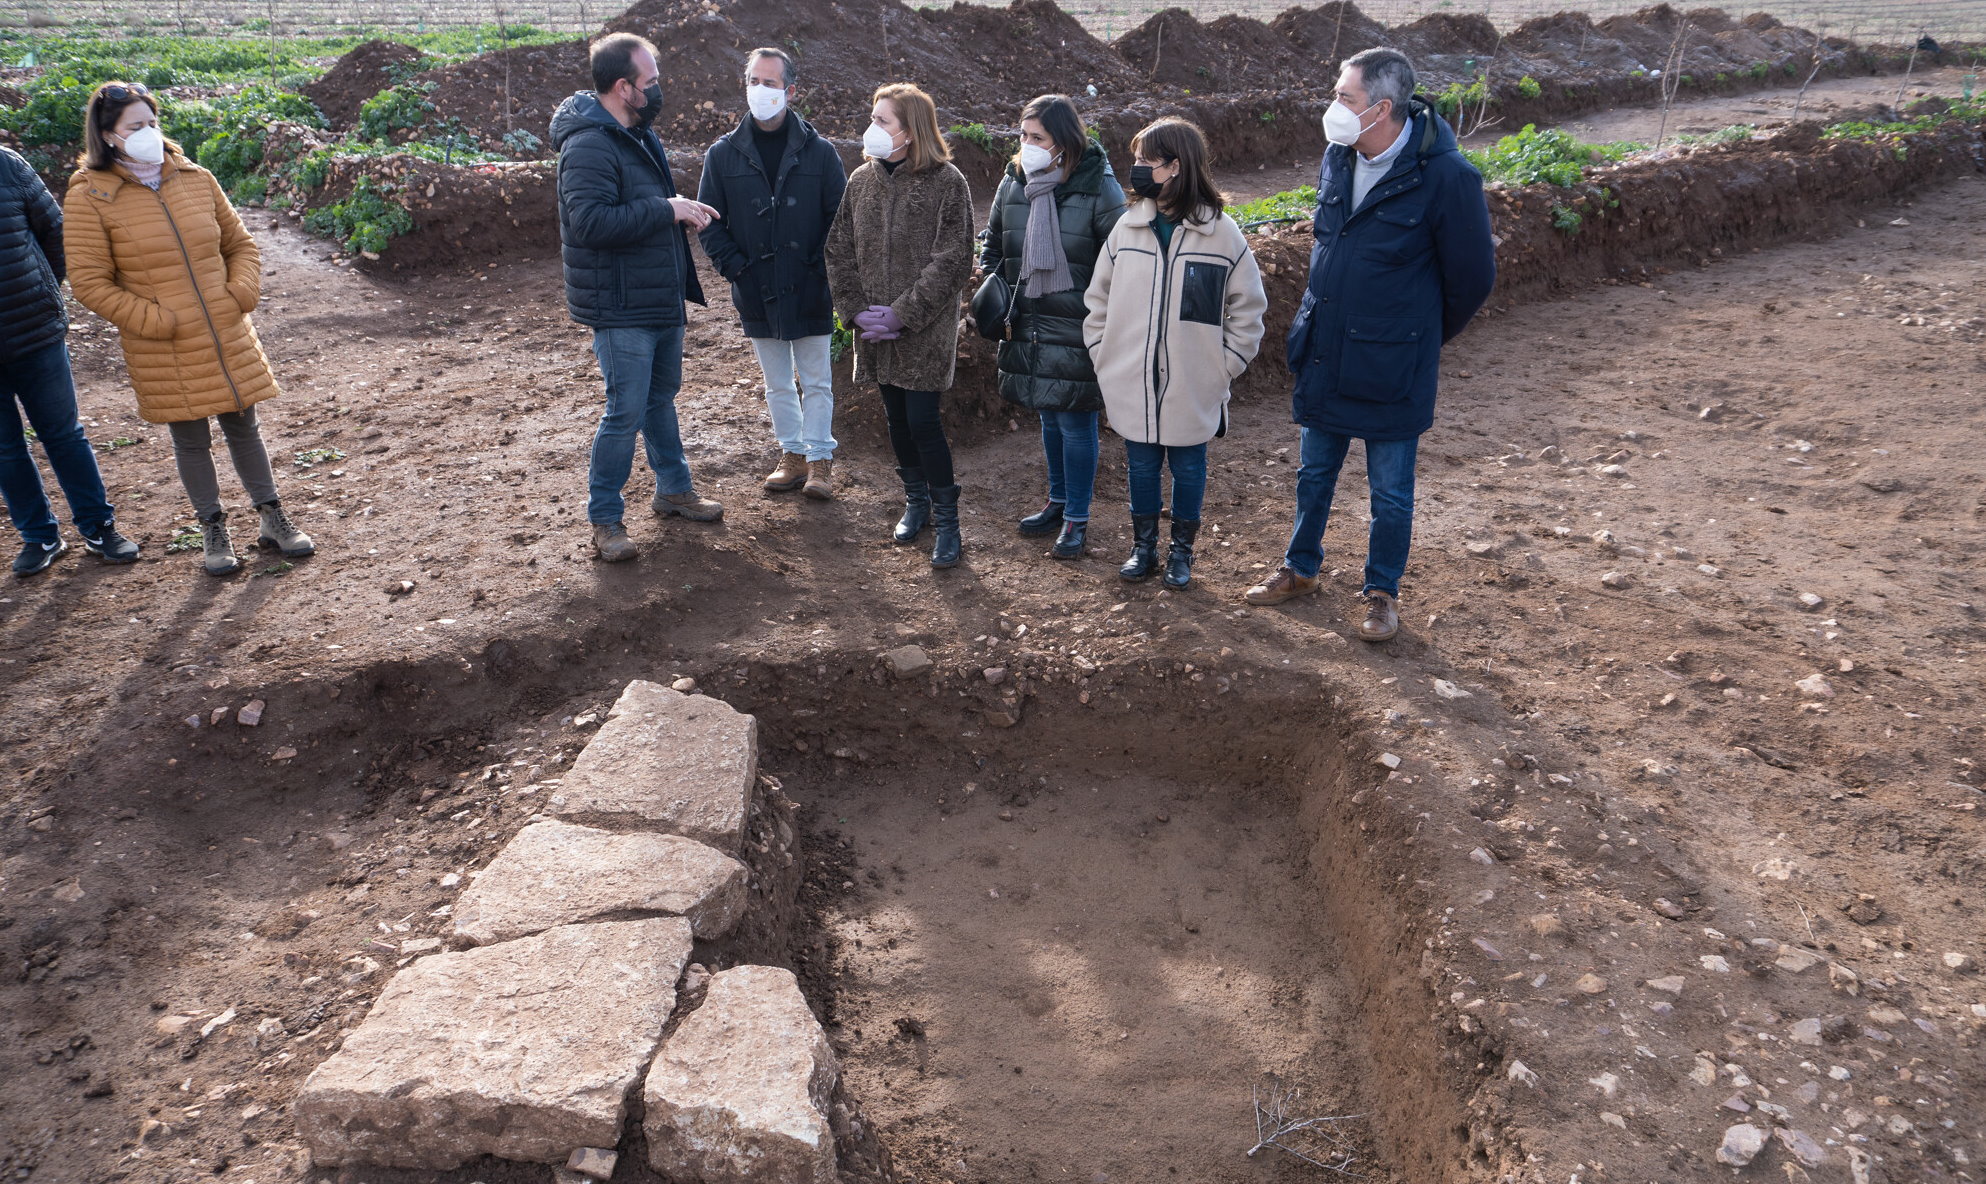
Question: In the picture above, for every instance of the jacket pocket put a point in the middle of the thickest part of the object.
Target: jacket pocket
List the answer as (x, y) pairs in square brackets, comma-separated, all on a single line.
[(1203, 293), (1296, 347), (1380, 358)]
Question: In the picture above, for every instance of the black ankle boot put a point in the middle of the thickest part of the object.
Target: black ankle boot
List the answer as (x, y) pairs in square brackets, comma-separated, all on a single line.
[(946, 545), (1179, 557), (1144, 549), (1047, 521), (916, 506), (1069, 544)]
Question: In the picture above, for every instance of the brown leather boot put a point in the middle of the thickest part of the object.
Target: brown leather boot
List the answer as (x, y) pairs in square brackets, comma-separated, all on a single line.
[(611, 543), (791, 473), (1382, 617), (820, 480), (1284, 585)]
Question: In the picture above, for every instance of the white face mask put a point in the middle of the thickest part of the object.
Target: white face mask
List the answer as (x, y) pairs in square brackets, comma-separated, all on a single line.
[(766, 102), (1342, 125), (1035, 158), (878, 143), (146, 145)]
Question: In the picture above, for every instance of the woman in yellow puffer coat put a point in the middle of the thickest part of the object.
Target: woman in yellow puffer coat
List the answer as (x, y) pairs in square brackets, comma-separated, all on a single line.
[(156, 249)]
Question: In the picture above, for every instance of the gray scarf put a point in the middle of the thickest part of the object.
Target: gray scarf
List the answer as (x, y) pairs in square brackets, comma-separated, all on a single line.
[(1044, 268)]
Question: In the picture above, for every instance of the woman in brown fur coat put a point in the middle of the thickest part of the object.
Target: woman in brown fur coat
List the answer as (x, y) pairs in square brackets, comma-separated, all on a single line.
[(155, 249), (898, 255)]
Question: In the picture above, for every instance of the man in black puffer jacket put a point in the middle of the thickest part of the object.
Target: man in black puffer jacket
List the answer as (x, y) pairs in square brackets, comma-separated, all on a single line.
[(35, 378), (628, 272), (776, 184)]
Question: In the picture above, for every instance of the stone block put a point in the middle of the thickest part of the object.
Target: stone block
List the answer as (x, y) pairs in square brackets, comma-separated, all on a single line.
[(554, 873), (740, 1092), (669, 762), (524, 1050)]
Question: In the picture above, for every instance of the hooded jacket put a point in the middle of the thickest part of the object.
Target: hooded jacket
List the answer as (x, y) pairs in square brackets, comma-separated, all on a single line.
[(904, 239), (1044, 365), (1390, 283), (771, 238), (1171, 329), (627, 259), (31, 268), (178, 274)]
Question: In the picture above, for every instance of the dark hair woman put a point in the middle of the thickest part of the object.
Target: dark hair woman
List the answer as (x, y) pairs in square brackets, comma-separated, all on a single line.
[(1175, 315), (155, 249), (1054, 209), (898, 255)]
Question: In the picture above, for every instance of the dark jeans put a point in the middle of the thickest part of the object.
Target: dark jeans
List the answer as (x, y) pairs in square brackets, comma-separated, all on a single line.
[(1142, 463), (40, 385), (193, 453), (1068, 440), (1389, 474), (917, 434), (643, 369)]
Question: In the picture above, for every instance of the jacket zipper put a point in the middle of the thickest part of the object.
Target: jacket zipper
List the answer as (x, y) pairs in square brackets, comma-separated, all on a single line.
[(220, 350), (1165, 308)]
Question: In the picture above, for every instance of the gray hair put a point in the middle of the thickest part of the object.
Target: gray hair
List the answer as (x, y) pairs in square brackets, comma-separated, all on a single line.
[(1387, 74), (786, 68)]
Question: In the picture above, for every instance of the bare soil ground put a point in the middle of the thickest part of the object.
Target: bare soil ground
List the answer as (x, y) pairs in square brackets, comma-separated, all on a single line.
[(195, 914)]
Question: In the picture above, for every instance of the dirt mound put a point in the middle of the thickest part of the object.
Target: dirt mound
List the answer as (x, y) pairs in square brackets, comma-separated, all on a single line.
[(1329, 33), (359, 75), (1448, 33), (9, 97), (1172, 48)]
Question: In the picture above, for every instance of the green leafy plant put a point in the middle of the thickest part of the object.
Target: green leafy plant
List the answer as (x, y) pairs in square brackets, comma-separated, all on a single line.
[(977, 135), (1529, 88), (1553, 157), (1566, 219), (1293, 205), (1459, 97), (519, 142), (1759, 70), (403, 108), (185, 537), (840, 340), (1736, 133), (366, 222)]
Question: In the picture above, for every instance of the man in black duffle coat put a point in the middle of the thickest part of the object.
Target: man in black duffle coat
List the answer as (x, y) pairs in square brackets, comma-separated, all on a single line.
[(776, 184)]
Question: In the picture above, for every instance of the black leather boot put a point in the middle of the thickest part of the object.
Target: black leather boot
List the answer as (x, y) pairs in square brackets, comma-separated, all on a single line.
[(945, 543), (1179, 556), (1144, 550), (1047, 520), (1070, 543), (916, 506)]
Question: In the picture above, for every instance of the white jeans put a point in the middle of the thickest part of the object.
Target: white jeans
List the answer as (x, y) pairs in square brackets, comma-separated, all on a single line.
[(802, 416)]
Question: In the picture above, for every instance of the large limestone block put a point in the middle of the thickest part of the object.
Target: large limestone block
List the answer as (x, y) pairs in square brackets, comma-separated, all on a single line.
[(740, 1093), (666, 761), (555, 874), (524, 1050)]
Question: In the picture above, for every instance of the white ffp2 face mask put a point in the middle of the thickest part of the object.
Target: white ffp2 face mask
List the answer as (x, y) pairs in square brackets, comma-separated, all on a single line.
[(1035, 158), (878, 143), (766, 102), (1342, 125), (146, 145)]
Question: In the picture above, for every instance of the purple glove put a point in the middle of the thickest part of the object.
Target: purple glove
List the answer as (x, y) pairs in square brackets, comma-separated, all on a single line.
[(887, 321), (865, 323)]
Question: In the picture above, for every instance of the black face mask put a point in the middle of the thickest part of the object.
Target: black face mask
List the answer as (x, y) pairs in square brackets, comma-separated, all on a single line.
[(1142, 183), (646, 115)]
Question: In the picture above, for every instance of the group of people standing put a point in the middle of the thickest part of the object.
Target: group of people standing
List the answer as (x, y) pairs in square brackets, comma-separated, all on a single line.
[(1142, 309)]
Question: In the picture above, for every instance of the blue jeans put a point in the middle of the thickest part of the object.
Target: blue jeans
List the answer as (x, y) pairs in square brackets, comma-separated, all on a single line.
[(1068, 439), (1189, 477), (1389, 473), (643, 369), (40, 384)]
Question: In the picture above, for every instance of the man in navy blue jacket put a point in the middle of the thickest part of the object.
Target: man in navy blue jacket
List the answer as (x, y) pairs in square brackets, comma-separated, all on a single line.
[(1403, 260), (628, 272), (776, 184)]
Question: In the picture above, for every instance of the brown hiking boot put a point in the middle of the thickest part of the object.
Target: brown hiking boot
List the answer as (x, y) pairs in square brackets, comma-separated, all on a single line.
[(689, 505), (1284, 585), (820, 480), (612, 544), (790, 474), (1382, 617)]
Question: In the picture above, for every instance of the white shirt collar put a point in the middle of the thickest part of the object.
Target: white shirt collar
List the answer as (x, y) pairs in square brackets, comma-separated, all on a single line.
[(1386, 157)]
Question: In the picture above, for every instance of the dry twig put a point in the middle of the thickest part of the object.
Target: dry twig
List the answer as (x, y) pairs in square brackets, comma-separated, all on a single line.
[(1313, 1140)]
